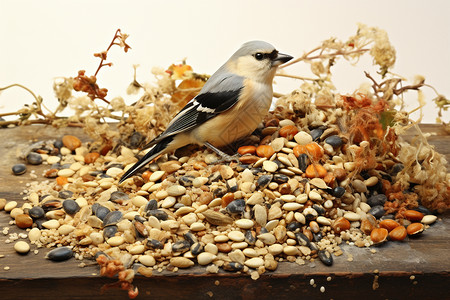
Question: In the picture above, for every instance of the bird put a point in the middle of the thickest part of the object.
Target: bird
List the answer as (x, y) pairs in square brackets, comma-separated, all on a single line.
[(230, 106)]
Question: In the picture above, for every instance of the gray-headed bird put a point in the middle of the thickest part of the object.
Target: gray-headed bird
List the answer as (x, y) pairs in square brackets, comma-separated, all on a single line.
[(230, 105)]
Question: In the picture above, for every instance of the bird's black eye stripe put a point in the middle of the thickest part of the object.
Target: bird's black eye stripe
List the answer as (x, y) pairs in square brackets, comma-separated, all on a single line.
[(272, 55)]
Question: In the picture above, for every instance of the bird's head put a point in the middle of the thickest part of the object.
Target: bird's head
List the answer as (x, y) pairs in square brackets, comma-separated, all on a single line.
[(257, 60)]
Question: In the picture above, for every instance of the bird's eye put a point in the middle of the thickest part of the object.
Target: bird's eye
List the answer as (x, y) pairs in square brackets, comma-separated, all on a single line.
[(259, 56)]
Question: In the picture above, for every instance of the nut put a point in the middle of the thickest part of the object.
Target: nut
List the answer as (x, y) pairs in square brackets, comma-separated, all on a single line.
[(378, 235), (398, 233)]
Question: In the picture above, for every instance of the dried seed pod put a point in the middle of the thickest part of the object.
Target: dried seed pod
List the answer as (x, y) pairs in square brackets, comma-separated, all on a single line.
[(217, 218), (398, 233), (378, 235)]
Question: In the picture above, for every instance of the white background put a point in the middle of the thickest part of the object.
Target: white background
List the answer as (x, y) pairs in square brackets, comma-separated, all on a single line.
[(41, 40)]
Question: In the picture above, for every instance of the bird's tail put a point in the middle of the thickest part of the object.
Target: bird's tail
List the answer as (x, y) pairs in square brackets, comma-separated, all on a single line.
[(154, 152)]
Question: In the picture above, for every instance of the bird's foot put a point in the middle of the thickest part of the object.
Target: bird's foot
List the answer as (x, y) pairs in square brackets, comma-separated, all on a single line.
[(227, 158), (223, 156)]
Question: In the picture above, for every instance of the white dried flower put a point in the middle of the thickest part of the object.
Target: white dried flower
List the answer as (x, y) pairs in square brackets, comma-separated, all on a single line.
[(118, 104)]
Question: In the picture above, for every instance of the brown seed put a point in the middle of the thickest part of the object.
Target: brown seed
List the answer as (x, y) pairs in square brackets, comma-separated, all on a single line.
[(340, 174), (308, 233), (388, 224), (265, 151), (413, 215), (24, 221), (247, 150), (224, 247), (340, 224), (398, 233), (366, 227), (105, 149), (248, 159), (329, 179), (205, 198), (87, 177), (414, 228), (52, 173), (266, 140), (71, 142), (227, 199), (285, 189), (378, 235), (91, 157), (272, 123)]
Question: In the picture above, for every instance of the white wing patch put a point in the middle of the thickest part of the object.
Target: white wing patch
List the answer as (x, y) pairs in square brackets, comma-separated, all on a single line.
[(203, 109)]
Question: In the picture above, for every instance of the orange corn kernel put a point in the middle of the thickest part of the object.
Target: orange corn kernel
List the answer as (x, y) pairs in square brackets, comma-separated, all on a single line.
[(91, 157), (288, 131), (61, 180), (146, 175), (314, 150), (315, 170), (264, 151), (299, 149), (247, 150)]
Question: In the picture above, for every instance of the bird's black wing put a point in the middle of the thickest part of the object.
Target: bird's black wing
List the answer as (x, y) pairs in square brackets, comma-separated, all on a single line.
[(216, 97)]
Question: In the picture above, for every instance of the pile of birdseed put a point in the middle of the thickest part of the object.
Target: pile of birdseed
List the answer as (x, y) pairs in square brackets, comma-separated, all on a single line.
[(297, 193)]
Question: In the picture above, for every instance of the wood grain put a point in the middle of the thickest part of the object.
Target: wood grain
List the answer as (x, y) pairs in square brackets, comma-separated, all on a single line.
[(33, 277)]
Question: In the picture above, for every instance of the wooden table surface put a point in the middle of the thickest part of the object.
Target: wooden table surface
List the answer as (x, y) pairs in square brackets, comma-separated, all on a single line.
[(418, 268)]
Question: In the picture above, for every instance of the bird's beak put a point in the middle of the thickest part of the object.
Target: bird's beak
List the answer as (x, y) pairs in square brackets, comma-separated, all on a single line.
[(281, 59)]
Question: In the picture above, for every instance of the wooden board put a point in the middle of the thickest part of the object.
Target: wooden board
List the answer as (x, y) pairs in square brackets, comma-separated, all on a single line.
[(385, 274)]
